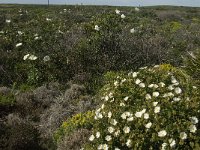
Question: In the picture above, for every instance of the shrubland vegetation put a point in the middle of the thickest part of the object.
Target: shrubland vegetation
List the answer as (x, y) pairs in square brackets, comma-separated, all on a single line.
[(99, 77)]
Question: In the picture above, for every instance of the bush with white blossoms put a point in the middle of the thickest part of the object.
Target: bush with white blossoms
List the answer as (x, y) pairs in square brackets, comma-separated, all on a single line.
[(153, 116)]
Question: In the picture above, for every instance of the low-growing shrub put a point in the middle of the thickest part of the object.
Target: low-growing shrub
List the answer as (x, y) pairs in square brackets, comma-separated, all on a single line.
[(154, 108), (192, 64), (81, 120), (23, 136)]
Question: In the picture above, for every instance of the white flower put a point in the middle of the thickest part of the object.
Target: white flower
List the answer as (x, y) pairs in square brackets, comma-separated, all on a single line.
[(148, 125), (177, 90), (20, 32), (146, 116), (135, 74), (194, 120), (36, 38), (122, 104), (117, 133), (46, 58), (111, 129), (162, 133), (137, 9), (164, 145), (140, 113), (172, 142), (109, 114), (170, 94), (32, 57), (123, 16), (105, 147), (47, 19), (110, 95), (26, 56), (155, 104), (192, 128), (106, 98), (117, 148), (137, 81), (143, 111), (129, 143), (91, 137), (157, 109), (151, 85), (19, 44), (142, 85), (126, 98), (126, 129), (155, 86), (183, 135), (102, 106), (123, 116), (116, 83), (176, 99), (170, 87), (100, 147), (98, 116), (96, 27), (132, 30), (155, 94), (123, 80), (142, 68), (161, 84), (128, 114), (148, 96), (156, 66), (173, 80), (194, 87), (97, 134), (113, 122), (117, 11), (8, 21), (108, 138), (130, 119)]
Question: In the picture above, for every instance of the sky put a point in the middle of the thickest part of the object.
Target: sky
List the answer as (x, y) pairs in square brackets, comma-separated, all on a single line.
[(194, 3)]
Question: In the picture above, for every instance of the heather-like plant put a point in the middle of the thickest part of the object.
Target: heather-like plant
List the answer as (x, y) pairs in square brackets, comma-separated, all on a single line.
[(154, 108), (192, 64)]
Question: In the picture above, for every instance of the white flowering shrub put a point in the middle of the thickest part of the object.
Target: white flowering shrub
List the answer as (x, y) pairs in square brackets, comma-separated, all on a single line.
[(154, 108)]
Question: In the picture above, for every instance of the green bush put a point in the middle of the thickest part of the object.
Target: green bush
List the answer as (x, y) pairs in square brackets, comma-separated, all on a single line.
[(7, 100), (81, 120), (154, 108)]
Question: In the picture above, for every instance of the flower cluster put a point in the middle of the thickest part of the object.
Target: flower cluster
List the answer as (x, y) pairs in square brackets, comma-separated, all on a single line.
[(30, 57), (147, 109)]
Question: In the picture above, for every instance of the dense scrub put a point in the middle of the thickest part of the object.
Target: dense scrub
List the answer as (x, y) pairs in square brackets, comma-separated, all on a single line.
[(58, 62)]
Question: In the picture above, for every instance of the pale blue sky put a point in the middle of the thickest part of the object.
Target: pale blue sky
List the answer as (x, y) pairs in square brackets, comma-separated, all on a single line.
[(195, 3)]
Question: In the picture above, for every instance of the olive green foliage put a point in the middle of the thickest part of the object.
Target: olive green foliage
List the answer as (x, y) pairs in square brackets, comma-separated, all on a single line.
[(7, 100), (81, 120), (154, 108)]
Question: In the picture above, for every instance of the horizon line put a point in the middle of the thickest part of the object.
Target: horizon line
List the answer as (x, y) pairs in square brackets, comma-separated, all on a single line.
[(98, 5)]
